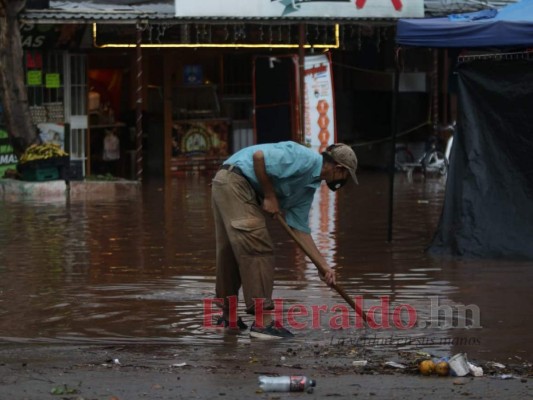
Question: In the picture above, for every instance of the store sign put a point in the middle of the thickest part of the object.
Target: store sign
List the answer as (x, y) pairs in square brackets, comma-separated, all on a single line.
[(8, 159), (319, 102), (37, 36), (301, 8)]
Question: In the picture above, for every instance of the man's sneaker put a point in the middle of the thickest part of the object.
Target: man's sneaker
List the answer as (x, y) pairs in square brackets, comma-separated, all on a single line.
[(224, 323), (270, 332)]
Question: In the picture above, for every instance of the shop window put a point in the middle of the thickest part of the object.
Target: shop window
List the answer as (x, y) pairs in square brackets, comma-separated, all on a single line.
[(44, 81)]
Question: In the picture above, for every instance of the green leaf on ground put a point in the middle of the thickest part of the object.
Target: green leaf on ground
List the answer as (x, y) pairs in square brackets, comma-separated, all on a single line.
[(62, 390)]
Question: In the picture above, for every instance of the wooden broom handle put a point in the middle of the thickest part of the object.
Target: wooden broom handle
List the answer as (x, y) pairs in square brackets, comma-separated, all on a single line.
[(306, 250)]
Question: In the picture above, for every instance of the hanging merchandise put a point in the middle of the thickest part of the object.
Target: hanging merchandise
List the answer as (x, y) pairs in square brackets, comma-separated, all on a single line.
[(111, 146)]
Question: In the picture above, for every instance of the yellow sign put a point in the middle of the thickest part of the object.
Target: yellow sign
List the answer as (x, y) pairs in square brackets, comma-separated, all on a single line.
[(52, 81), (34, 78)]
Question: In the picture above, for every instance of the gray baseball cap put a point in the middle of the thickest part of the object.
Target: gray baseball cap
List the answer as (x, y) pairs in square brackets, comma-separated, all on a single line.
[(344, 155)]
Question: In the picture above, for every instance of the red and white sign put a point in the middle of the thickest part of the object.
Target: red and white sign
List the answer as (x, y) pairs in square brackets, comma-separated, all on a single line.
[(319, 123), (300, 8)]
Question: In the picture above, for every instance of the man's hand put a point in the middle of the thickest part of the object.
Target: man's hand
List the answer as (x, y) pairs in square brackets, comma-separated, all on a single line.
[(271, 205), (328, 277)]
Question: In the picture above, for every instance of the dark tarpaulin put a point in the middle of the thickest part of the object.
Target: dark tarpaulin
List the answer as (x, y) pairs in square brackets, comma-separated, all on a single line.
[(488, 205)]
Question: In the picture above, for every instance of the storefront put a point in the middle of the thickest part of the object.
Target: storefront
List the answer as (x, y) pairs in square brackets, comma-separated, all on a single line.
[(178, 89)]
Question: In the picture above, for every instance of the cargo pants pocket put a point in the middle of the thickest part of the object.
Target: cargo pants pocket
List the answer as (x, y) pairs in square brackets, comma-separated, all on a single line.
[(251, 237)]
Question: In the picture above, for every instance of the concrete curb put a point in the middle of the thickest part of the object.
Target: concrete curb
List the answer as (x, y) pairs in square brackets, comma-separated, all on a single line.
[(16, 190)]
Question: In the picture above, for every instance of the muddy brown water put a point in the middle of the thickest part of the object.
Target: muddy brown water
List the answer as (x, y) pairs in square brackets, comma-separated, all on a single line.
[(139, 271)]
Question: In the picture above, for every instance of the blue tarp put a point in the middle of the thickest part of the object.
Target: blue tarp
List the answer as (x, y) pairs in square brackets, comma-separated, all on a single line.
[(510, 26)]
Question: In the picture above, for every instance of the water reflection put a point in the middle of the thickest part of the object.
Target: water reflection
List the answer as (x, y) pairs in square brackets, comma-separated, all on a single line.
[(138, 270)]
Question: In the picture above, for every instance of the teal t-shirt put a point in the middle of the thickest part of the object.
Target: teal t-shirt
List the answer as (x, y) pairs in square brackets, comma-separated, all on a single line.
[(295, 173)]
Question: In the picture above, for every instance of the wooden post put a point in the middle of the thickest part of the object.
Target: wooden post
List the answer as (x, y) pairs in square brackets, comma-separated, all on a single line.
[(139, 106), (301, 82)]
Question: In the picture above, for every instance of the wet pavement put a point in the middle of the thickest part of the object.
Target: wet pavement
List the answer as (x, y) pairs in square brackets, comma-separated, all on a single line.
[(138, 271)]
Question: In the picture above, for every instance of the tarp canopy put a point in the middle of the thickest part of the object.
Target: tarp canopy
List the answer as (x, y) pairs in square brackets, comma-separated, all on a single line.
[(507, 27), (488, 205)]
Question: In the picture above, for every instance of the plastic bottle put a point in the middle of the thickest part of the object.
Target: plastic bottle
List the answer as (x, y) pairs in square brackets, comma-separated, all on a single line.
[(285, 383)]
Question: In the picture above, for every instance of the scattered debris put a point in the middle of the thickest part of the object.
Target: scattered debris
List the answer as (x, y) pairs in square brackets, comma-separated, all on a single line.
[(285, 383), (475, 370), (495, 365), (62, 390), (442, 368), (459, 365), (394, 364), (426, 367), (360, 363), (506, 376)]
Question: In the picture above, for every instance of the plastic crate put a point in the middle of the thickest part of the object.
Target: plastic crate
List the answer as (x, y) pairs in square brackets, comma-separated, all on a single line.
[(41, 174), (45, 169)]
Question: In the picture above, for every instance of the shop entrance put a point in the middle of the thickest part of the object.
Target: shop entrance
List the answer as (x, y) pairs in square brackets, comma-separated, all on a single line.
[(111, 143), (276, 98)]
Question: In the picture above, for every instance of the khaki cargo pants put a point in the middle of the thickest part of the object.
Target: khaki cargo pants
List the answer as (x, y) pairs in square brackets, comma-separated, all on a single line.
[(244, 249)]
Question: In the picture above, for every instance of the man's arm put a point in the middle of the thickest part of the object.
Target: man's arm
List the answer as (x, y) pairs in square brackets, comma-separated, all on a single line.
[(309, 243), (270, 202)]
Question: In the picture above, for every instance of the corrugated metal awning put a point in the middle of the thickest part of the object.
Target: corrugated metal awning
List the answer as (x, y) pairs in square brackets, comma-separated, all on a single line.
[(440, 8), (87, 12)]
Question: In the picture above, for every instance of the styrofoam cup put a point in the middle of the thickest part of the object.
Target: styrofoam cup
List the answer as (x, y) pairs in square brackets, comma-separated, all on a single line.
[(459, 365)]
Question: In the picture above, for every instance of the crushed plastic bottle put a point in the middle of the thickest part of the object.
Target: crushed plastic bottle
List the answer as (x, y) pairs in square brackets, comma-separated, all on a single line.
[(296, 383)]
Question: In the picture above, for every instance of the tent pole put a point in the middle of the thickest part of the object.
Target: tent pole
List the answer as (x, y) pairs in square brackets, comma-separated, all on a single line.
[(394, 129), (444, 87)]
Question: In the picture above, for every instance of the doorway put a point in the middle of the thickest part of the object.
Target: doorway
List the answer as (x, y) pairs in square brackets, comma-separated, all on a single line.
[(275, 98)]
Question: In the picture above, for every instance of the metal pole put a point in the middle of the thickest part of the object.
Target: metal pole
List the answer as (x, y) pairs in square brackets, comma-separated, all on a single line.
[(444, 88), (394, 129), (139, 106), (435, 89)]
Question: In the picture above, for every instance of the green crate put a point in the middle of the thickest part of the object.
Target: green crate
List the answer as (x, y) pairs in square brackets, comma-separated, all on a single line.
[(40, 174), (38, 170)]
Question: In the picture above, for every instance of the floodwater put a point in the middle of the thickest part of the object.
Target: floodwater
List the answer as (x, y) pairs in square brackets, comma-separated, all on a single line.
[(141, 270)]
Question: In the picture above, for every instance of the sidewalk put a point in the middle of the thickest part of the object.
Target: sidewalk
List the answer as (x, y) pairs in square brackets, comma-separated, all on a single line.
[(121, 372), (59, 190)]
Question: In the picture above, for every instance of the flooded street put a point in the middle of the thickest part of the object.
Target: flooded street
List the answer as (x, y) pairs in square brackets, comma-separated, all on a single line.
[(139, 270)]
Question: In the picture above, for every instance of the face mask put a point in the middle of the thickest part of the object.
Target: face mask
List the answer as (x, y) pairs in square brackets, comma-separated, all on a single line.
[(336, 184)]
